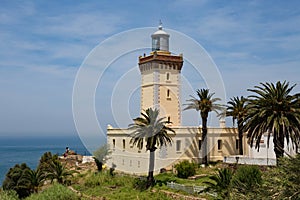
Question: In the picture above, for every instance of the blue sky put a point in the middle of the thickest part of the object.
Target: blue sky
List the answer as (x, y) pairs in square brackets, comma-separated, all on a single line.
[(43, 44)]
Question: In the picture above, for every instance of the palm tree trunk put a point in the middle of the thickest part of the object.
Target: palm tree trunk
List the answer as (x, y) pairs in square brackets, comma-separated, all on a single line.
[(150, 178), (204, 141), (278, 140), (240, 130)]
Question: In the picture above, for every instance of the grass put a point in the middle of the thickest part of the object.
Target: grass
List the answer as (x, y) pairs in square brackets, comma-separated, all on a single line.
[(119, 186)]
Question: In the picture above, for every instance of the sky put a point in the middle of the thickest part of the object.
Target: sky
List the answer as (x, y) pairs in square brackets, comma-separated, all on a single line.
[(44, 44)]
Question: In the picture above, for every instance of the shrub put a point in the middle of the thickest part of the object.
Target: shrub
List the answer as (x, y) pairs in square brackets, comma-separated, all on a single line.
[(163, 178), (290, 175), (8, 195), (247, 178), (220, 182), (56, 191), (185, 169), (140, 183), (93, 180)]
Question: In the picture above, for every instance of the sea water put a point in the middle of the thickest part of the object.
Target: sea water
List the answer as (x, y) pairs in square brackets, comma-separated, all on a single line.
[(16, 150)]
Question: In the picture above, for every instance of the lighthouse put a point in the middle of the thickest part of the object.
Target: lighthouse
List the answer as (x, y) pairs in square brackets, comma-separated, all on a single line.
[(160, 77)]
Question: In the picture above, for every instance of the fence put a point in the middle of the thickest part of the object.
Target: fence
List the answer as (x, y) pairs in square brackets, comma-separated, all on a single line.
[(189, 189), (249, 161)]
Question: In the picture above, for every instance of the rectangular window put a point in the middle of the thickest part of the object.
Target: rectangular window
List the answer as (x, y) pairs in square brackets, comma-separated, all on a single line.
[(114, 143), (123, 144), (168, 76), (139, 164), (219, 144), (236, 144), (178, 145)]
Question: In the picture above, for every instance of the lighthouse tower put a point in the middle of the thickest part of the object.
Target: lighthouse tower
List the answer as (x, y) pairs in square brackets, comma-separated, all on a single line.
[(160, 73)]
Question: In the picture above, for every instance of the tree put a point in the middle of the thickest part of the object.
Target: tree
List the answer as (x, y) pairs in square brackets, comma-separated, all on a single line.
[(35, 179), (205, 104), (237, 109), (154, 131), (45, 161), (57, 171), (15, 180), (272, 110), (221, 182), (100, 156)]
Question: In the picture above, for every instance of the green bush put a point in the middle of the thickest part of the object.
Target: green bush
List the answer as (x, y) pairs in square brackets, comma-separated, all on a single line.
[(163, 178), (56, 191), (8, 195), (185, 169), (247, 178), (290, 169), (221, 182), (94, 180), (140, 183)]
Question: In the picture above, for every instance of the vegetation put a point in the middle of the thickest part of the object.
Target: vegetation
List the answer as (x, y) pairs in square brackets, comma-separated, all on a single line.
[(100, 155), (221, 182), (55, 191), (25, 181), (9, 195), (58, 171), (16, 180), (185, 169), (227, 181), (205, 104), (237, 109), (272, 109), (247, 178), (154, 131), (35, 179)]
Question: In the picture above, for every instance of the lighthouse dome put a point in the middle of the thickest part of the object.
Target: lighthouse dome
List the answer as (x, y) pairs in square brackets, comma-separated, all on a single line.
[(160, 40)]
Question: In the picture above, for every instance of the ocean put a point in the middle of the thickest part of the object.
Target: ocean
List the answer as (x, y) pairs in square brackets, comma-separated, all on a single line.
[(29, 150)]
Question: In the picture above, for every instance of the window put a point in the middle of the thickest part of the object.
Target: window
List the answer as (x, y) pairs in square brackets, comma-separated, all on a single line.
[(114, 143), (123, 161), (178, 145), (123, 144), (219, 144), (168, 95), (168, 76), (130, 164), (236, 144), (139, 164), (199, 144), (169, 119)]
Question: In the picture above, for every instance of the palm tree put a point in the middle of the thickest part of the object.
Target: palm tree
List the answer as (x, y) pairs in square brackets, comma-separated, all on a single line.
[(221, 182), (237, 110), (154, 131), (59, 172), (205, 104), (35, 179), (274, 111)]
